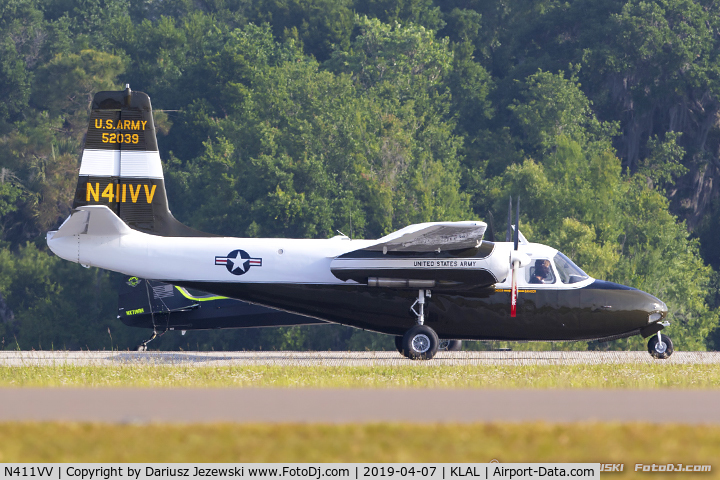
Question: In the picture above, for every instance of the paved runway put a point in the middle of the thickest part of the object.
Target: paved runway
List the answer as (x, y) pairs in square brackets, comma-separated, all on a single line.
[(128, 405), (18, 358)]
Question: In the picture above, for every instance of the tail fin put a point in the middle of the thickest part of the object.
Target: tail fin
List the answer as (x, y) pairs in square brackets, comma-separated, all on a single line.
[(121, 166)]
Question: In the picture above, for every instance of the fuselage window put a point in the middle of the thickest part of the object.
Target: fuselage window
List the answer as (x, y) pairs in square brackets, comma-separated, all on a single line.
[(540, 271), (568, 271)]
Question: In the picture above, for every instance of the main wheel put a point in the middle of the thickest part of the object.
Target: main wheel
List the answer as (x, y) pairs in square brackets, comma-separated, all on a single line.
[(450, 345), (420, 343), (399, 344), (660, 349), (454, 345)]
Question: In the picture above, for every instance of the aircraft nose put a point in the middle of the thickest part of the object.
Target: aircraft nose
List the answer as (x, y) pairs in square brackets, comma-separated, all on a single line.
[(656, 308), (633, 305), (653, 307)]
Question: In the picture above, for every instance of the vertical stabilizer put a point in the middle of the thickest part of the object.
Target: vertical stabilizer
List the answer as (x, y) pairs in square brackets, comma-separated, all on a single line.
[(121, 166)]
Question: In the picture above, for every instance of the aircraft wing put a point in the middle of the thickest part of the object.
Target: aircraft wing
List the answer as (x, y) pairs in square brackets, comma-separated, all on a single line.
[(432, 253), (432, 237)]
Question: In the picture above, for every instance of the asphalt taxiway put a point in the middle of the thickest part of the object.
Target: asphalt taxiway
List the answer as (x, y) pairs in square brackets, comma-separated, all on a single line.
[(348, 359)]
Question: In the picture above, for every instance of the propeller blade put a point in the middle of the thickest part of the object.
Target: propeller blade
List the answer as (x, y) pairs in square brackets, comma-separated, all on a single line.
[(491, 220), (513, 291), (508, 234), (515, 264), (517, 224)]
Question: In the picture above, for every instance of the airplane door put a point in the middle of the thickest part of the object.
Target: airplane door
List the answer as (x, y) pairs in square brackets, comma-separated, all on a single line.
[(550, 309), (535, 300)]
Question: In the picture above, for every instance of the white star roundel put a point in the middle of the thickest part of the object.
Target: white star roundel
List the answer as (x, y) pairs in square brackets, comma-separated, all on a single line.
[(238, 262)]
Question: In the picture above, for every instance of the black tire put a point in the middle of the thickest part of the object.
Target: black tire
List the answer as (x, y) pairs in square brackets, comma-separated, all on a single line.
[(450, 345), (399, 344), (420, 343), (660, 351), (454, 345)]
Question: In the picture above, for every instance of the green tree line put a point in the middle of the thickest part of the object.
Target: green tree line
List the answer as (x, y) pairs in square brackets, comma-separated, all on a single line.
[(298, 118)]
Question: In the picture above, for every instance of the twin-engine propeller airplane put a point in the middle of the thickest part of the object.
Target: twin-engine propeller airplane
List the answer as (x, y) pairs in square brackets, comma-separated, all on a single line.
[(421, 283)]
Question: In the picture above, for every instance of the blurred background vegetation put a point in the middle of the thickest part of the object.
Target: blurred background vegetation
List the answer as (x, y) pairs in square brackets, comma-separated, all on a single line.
[(299, 117)]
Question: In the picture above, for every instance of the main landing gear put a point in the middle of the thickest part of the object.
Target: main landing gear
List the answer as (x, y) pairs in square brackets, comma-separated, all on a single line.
[(660, 346), (450, 345), (420, 342)]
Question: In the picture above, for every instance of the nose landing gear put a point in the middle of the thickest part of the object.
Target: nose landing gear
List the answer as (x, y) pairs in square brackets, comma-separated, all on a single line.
[(660, 346)]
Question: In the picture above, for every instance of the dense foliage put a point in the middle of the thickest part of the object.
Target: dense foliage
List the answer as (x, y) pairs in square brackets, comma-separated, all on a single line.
[(302, 117)]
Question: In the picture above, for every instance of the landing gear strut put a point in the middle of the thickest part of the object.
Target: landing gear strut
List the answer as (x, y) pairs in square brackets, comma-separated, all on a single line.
[(420, 342), (143, 346), (422, 293), (660, 346)]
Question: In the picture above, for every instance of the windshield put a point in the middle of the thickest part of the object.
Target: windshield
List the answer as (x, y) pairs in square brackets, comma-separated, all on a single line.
[(567, 270)]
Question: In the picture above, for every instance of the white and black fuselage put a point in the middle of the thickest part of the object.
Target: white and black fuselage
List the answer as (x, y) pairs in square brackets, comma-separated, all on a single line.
[(121, 222)]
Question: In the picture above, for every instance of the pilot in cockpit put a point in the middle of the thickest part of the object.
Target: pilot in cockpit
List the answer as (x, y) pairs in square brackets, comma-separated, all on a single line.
[(542, 273)]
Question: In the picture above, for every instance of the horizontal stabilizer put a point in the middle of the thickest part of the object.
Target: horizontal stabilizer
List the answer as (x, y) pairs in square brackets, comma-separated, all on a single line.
[(92, 220)]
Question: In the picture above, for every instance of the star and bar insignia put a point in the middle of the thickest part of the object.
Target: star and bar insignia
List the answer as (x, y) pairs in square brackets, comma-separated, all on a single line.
[(238, 262)]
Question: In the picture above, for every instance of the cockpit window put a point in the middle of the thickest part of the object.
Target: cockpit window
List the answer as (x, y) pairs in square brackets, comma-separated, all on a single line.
[(540, 271), (568, 271)]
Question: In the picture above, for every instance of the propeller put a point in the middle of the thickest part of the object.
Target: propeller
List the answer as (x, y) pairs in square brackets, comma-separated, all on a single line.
[(508, 234), (514, 261), (491, 221), (517, 224)]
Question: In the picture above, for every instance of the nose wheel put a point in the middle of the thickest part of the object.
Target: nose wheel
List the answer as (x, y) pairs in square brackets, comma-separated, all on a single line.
[(660, 346)]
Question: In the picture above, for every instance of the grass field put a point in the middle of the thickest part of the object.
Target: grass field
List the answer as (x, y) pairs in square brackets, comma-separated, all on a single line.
[(628, 443), (641, 376)]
